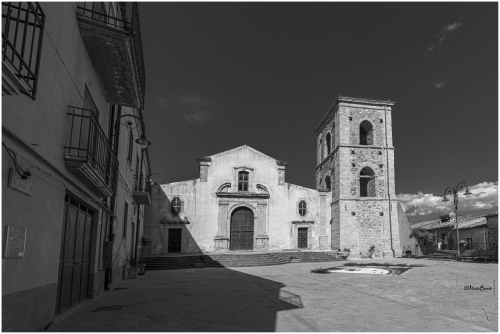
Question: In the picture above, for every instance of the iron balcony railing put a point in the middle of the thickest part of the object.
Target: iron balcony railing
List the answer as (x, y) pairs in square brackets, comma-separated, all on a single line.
[(142, 184), (22, 33), (114, 14), (87, 142), (430, 248)]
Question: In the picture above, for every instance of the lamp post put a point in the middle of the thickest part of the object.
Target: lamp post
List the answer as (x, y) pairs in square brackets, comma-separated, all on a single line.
[(453, 191), (143, 142)]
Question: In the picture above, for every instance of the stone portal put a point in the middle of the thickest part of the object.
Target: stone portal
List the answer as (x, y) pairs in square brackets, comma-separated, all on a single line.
[(242, 229)]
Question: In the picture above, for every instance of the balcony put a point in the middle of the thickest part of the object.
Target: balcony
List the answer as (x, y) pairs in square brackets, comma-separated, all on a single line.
[(88, 155), (22, 36), (115, 48), (142, 191)]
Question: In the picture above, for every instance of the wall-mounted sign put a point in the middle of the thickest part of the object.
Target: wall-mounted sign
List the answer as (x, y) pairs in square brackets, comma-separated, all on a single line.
[(16, 183), (15, 242)]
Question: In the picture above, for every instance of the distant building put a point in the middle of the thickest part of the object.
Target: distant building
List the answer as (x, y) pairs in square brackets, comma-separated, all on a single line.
[(73, 178), (478, 232), (242, 202)]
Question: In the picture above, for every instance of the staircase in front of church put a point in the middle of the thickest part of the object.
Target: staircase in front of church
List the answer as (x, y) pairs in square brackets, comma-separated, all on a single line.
[(235, 259)]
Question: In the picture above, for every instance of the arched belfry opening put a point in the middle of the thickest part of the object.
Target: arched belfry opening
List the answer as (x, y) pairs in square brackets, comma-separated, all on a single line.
[(242, 229), (367, 183), (328, 144), (365, 133)]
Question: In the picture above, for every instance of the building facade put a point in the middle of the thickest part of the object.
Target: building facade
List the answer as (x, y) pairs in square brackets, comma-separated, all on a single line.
[(73, 177), (240, 202)]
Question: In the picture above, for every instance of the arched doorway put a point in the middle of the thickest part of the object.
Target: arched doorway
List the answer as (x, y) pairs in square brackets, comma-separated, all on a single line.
[(242, 221)]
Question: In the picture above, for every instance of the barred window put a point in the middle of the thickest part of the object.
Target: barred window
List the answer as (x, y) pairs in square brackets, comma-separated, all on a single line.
[(243, 181), (176, 206), (302, 208)]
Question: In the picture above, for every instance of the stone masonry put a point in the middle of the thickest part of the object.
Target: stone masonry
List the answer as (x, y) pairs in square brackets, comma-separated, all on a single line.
[(359, 219)]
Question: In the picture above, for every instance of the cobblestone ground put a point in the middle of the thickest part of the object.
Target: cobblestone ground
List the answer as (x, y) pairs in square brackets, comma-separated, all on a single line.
[(291, 299)]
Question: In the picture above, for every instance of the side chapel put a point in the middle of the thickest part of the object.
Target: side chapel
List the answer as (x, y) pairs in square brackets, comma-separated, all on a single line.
[(241, 201)]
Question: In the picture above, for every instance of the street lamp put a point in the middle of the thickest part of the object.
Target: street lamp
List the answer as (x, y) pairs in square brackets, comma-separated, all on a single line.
[(454, 192)]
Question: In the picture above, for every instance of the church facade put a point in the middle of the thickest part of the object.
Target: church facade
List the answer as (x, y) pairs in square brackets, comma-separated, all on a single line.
[(241, 201)]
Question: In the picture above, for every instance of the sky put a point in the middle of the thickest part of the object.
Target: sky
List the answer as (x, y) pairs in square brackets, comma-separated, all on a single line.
[(221, 75)]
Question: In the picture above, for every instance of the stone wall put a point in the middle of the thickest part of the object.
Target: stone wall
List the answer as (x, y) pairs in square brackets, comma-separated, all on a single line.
[(359, 222), (492, 224)]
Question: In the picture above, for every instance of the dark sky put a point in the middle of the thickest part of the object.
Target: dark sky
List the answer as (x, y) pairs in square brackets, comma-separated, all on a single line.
[(220, 75)]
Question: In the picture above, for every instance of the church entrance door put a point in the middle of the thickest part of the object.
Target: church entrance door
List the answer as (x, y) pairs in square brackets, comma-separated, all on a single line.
[(302, 239), (241, 229)]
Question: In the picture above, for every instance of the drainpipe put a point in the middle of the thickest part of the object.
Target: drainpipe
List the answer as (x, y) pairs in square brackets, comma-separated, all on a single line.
[(387, 178)]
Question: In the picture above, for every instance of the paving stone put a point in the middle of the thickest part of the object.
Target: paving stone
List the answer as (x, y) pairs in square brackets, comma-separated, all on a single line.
[(268, 299)]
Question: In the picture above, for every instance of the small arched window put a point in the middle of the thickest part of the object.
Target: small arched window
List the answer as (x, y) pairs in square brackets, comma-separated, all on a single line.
[(243, 181), (367, 183), (176, 205), (302, 208), (328, 183), (328, 144), (365, 133)]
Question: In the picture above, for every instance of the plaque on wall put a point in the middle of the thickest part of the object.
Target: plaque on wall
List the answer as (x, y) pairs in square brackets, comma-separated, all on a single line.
[(16, 183), (15, 242)]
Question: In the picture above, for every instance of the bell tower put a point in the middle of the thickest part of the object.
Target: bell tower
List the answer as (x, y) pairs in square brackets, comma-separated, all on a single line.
[(355, 161)]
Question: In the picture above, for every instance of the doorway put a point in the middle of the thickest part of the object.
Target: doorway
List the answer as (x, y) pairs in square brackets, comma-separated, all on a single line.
[(302, 237), (75, 259), (242, 221), (174, 240)]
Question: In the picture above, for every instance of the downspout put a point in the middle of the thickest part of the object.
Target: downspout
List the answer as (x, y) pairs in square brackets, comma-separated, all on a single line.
[(387, 178)]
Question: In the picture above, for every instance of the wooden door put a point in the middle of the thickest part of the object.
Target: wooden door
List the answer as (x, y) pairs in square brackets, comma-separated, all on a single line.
[(302, 239), (75, 258), (174, 240), (242, 229)]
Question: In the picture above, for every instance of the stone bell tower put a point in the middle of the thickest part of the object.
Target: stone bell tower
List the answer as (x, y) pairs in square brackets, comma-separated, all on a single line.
[(355, 161)]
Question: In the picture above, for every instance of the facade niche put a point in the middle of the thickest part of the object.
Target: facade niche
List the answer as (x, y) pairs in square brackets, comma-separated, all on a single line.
[(367, 183), (365, 133)]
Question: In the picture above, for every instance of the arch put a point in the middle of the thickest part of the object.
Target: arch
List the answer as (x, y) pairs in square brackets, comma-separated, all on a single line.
[(367, 183), (242, 229), (239, 205), (328, 143), (261, 189), (328, 183), (365, 133), (224, 187)]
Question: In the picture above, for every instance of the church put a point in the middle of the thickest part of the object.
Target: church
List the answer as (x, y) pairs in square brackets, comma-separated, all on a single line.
[(242, 202)]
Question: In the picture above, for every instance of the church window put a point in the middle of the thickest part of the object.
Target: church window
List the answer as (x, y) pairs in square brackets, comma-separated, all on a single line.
[(365, 133), (176, 205), (367, 183), (328, 183), (328, 144), (243, 181), (302, 208)]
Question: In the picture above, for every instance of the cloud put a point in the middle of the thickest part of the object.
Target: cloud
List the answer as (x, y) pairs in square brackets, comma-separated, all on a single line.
[(446, 31), (484, 196), (439, 84), (194, 108)]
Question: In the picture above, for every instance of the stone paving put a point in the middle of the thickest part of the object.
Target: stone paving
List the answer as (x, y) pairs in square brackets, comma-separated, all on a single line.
[(288, 298)]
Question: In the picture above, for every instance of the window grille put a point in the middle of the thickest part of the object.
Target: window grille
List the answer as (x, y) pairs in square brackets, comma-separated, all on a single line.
[(176, 206), (22, 37), (302, 208), (243, 181)]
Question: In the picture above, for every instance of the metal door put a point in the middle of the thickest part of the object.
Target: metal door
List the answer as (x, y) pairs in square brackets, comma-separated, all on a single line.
[(302, 239), (242, 229), (74, 264), (174, 240)]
